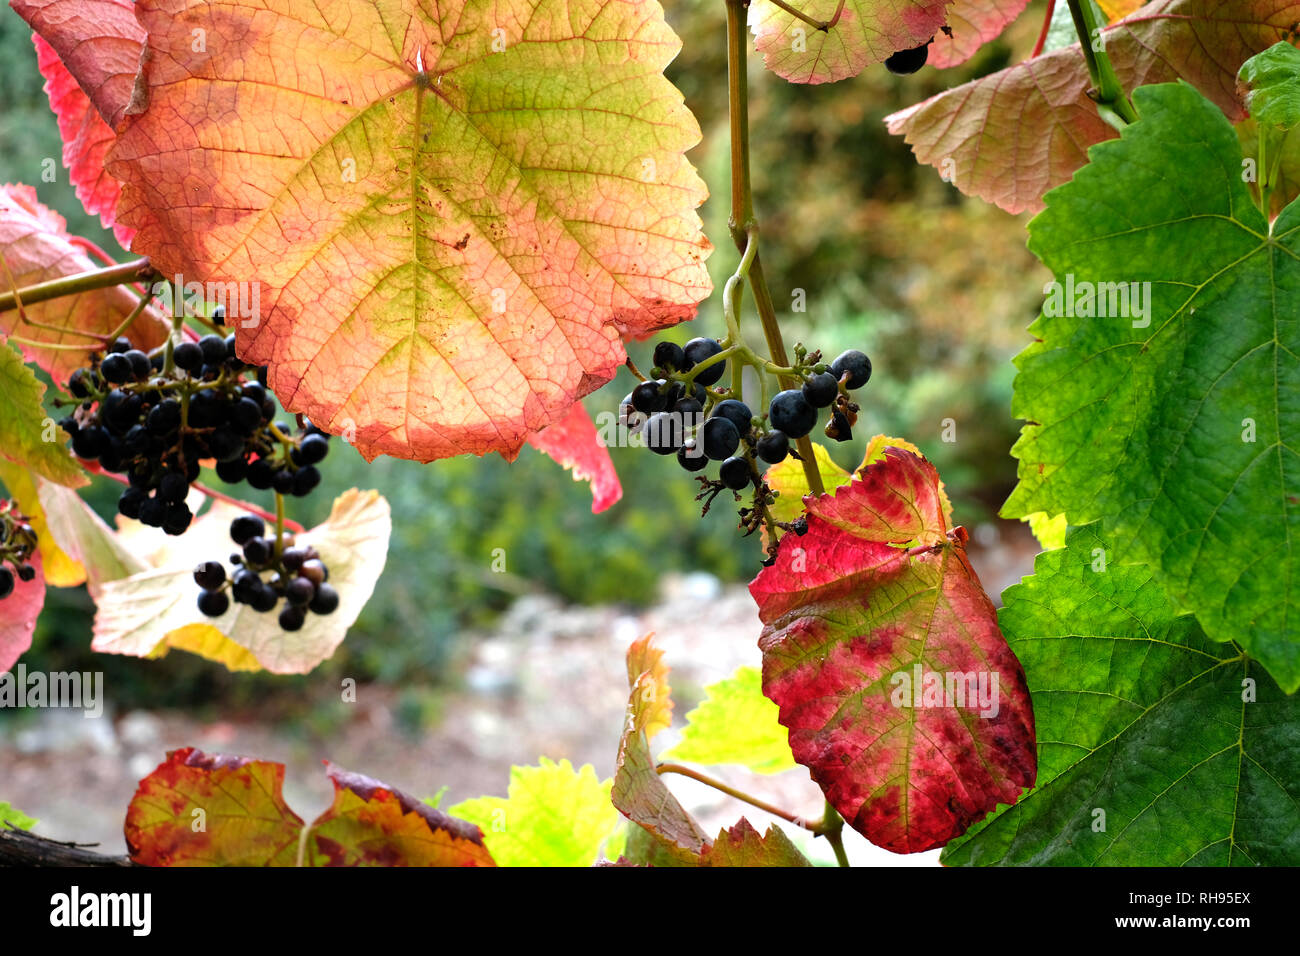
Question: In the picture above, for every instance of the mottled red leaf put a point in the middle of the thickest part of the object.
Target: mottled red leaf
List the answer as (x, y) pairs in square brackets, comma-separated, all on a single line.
[(868, 31), (99, 42), (973, 23), (1011, 136), (573, 442), (35, 243), (452, 214), (877, 596), (372, 824), (18, 613), (86, 139), (199, 809)]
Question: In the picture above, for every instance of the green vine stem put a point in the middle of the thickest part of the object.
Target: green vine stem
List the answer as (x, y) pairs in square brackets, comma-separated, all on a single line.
[(1112, 102), (730, 791), (137, 270)]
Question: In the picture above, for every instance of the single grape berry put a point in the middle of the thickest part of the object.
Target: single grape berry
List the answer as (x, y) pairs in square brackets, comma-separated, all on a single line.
[(292, 558), (164, 418), (128, 505), (664, 433), (305, 481), (259, 474), (719, 438), (213, 348), (210, 575), (117, 369), (265, 599), (173, 488), (188, 356), (245, 528), (326, 600), (790, 412), (313, 449), (214, 603), (856, 364), (736, 412), (773, 447), (6, 583), (691, 458), (647, 397), (696, 351), (257, 551), (820, 389), (120, 344), (90, 443), (177, 519), (153, 512), (690, 410), (909, 61), (26, 573), (139, 363), (292, 618), (245, 586), (234, 471), (254, 391), (300, 591), (670, 357), (314, 570), (734, 473)]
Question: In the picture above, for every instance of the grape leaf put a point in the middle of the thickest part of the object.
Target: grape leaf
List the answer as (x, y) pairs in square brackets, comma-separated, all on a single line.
[(861, 616), (28, 436), (553, 816), (869, 31), (60, 569), (18, 614), (973, 23), (1271, 81), (671, 836), (735, 724), (742, 845), (1175, 432), (86, 140), (573, 443), (1286, 182), (199, 809), (447, 241), (84, 538), (11, 816), (98, 42), (146, 613), (1117, 9), (1012, 135), (1049, 530), (35, 244), (372, 824), (1152, 751)]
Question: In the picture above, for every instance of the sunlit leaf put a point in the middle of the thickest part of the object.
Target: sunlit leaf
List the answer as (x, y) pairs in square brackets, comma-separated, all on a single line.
[(61, 570), (735, 724), (742, 845), (28, 437), (573, 443)]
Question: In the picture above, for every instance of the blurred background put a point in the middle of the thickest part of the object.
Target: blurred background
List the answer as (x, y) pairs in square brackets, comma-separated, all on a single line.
[(463, 670)]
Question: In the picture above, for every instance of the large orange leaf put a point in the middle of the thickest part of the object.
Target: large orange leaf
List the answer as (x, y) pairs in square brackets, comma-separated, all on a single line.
[(868, 32), (864, 616), (452, 214), (36, 247), (1011, 136)]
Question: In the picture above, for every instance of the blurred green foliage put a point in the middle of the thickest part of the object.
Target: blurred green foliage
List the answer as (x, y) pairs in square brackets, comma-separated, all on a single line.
[(884, 256)]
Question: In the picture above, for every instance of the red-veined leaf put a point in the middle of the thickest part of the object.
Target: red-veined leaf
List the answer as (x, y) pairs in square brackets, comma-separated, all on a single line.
[(451, 216), (35, 243), (86, 139), (973, 23), (878, 599), (869, 31), (573, 442), (99, 44), (373, 824), (18, 613), (1011, 136)]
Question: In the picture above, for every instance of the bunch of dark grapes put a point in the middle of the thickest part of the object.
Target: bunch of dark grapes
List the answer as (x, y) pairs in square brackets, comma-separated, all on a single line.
[(294, 575), (156, 426), (17, 543)]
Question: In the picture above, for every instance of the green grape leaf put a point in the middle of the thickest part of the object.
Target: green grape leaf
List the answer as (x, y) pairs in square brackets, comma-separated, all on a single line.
[(28, 436), (1172, 415), (1156, 745), (553, 816), (11, 816), (1272, 83), (742, 845), (736, 724), (1049, 530)]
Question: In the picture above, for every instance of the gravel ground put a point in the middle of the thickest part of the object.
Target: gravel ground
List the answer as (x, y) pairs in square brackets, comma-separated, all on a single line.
[(547, 680)]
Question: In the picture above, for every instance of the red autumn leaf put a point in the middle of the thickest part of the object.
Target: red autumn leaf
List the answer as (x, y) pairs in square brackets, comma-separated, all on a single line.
[(35, 243), (878, 599), (86, 139), (372, 824), (18, 613), (868, 31), (452, 214), (199, 809), (573, 442), (99, 43), (973, 23), (1011, 136)]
